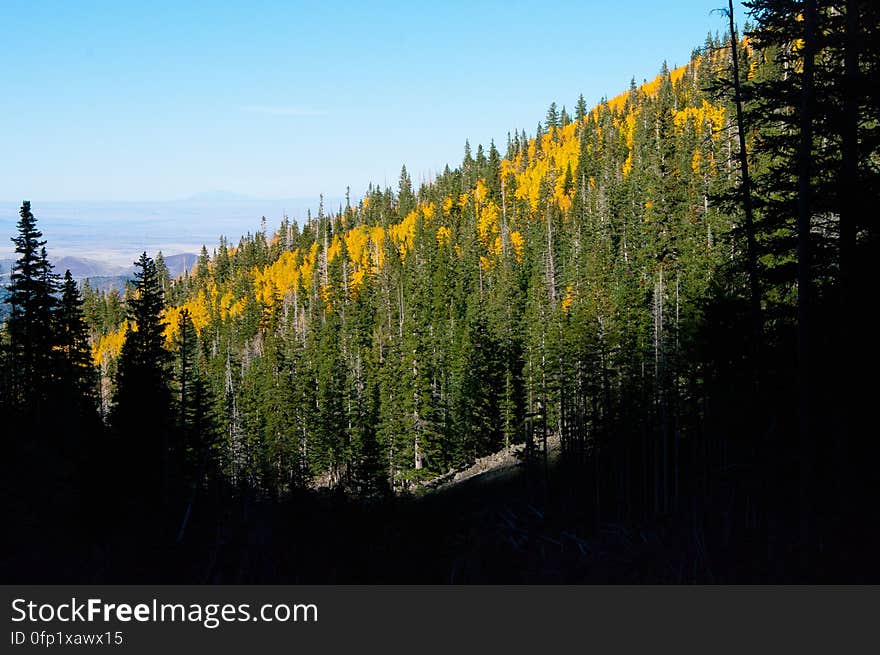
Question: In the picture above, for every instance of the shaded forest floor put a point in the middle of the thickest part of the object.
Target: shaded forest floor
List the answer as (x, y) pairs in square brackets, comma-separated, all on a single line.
[(498, 523)]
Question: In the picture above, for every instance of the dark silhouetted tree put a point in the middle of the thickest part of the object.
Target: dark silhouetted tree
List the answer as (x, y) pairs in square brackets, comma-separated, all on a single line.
[(142, 416), (32, 301), (76, 373)]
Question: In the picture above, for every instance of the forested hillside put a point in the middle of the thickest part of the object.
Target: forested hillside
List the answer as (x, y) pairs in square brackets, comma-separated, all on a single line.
[(417, 330), (673, 283)]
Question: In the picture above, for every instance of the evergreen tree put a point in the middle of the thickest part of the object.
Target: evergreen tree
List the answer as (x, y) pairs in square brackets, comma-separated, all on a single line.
[(31, 299), (202, 270), (142, 414), (580, 110), (552, 120), (164, 275), (405, 198), (78, 383), (186, 345), (564, 118)]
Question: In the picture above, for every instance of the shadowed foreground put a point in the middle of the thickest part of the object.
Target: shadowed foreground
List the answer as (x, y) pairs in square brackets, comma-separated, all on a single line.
[(501, 526)]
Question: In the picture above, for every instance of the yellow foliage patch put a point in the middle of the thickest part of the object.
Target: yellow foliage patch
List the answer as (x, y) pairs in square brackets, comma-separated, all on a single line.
[(517, 241), (109, 346), (428, 211), (568, 298), (495, 247), (487, 222), (706, 115), (444, 234), (403, 234), (696, 161), (481, 191)]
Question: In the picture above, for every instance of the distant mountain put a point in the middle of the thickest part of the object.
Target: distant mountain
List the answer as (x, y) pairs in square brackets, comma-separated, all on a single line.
[(177, 264), (81, 267), (108, 282), (101, 275)]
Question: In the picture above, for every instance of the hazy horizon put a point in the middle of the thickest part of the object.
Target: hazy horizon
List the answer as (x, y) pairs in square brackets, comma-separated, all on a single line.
[(116, 232)]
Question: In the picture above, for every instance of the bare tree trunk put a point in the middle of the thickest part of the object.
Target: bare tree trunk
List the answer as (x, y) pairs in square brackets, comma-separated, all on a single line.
[(849, 144), (849, 207), (551, 266), (417, 421), (746, 190), (804, 276), (659, 445)]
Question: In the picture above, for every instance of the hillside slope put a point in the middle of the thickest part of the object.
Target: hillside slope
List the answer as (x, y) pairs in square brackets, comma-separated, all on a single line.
[(399, 335)]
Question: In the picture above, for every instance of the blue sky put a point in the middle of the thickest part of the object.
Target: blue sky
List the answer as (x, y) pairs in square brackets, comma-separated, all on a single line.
[(284, 99)]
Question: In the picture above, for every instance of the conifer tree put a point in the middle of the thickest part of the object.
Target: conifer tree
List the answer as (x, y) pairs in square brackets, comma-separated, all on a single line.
[(580, 110), (405, 197), (186, 373), (162, 272), (32, 301), (142, 415), (552, 120), (76, 373)]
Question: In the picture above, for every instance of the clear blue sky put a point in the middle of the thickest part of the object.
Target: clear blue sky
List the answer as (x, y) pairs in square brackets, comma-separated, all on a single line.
[(283, 99)]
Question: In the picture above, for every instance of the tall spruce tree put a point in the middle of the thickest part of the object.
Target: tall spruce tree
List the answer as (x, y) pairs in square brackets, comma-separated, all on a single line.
[(186, 375), (142, 415), (75, 370), (31, 299)]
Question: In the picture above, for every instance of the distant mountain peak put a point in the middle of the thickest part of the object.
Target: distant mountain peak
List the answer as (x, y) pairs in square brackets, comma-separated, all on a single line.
[(82, 267), (179, 263)]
